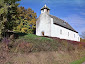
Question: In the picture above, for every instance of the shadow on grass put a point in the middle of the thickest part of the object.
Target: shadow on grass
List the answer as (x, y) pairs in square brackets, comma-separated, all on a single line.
[(16, 35)]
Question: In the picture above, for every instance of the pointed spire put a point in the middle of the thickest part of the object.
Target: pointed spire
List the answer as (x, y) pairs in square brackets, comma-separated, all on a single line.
[(45, 7)]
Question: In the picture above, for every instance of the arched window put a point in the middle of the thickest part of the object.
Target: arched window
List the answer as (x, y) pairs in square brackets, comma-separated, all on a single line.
[(60, 31), (68, 33), (74, 35)]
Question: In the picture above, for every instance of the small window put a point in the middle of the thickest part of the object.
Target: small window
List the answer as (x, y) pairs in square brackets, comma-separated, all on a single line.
[(60, 31), (47, 10), (74, 35), (68, 33)]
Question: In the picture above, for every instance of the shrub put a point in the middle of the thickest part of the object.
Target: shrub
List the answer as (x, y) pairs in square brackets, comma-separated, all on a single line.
[(82, 40)]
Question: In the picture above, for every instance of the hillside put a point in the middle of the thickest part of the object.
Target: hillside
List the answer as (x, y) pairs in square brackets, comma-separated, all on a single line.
[(32, 49)]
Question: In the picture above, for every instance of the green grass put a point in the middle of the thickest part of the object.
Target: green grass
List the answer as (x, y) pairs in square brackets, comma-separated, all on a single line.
[(43, 43), (35, 39), (32, 43), (38, 43), (79, 61)]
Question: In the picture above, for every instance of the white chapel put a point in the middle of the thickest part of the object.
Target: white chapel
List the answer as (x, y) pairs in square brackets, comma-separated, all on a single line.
[(52, 26)]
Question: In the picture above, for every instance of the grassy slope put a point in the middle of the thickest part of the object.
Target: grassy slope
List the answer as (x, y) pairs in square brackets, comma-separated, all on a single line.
[(80, 61), (43, 42), (41, 58), (42, 51), (39, 43)]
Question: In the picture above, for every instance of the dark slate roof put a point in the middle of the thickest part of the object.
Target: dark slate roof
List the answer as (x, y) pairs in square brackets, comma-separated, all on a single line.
[(45, 7), (62, 23)]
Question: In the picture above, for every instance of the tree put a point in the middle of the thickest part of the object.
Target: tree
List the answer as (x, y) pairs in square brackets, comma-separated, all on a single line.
[(8, 15), (3, 10), (26, 20)]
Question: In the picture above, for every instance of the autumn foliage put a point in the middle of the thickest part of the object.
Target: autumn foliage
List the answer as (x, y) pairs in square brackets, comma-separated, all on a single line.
[(26, 22)]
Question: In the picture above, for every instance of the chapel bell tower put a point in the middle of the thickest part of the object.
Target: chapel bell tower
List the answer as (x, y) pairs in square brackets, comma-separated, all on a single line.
[(45, 9)]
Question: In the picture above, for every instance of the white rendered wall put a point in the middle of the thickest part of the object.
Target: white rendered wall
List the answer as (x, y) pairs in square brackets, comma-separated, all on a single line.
[(55, 32), (43, 25)]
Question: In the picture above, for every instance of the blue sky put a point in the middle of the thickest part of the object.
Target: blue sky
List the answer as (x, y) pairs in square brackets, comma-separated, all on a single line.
[(71, 11)]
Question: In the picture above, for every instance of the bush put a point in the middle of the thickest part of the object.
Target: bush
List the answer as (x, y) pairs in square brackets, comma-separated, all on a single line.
[(82, 40)]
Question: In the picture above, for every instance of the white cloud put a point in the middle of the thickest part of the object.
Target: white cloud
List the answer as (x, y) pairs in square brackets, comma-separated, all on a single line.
[(77, 22)]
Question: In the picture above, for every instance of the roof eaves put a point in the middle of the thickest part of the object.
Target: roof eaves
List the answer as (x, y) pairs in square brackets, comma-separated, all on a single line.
[(67, 26)]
